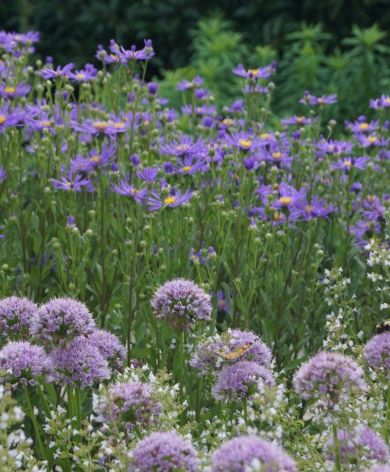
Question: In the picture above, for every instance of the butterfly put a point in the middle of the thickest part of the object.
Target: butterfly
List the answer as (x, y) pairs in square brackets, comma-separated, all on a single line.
[(382, 327), (233, 355)]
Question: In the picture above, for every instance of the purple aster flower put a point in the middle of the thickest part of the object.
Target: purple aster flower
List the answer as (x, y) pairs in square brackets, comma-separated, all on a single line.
[(348, 163), (289, 196), (94, 160), (79, 363), (147, 174), (241, 380), (243, 141), (72, 183), (128, 55), (109, 347), (22, 361), (334, 147), (309, 99), (152, 88), (327, 376), (50, 73), (188, 85), (127, 190), (84, 75), (185, 147), (129, 404), (165, 452), (60, 320), (254, 74), (357, 446), (296, 121), (9, 91), (182, 303), (361, 125), (214, 353), (111, 127), (380, 103), (15, 316), (174, 199), (9, 117), (377, 352), (241, 453), (372, 140), (317, 208)]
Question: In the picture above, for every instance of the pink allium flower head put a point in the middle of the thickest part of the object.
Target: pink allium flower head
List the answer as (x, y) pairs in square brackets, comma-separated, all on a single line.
[(60, 320), (182, 303), (377, 351), (361, 443), (109, 347), (165, 452), (129, 404), (15, 316), (79, 363), (241, 380), (238, 454), (23, 361), (328, 375)]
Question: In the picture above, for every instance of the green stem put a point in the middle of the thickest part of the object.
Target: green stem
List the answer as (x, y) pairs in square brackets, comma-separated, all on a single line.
[(337, 466), (387, 422), (37, 430)]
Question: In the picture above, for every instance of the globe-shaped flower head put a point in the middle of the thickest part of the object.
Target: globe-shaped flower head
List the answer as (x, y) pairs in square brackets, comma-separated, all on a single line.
[(60, 320), (358, 446), (242, 453), (109, 347), (79, 363), (328, 376), (130, 404), (377, 352), (165, 452), (182, 303), (15, 317), (241, 380), (20, 360)]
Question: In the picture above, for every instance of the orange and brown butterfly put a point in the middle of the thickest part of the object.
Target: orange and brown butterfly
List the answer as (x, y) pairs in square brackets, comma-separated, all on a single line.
[(233, 355)]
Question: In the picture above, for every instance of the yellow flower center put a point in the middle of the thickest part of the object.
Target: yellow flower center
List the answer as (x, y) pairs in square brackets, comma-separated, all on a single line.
[(265, 135), (372, 139), (309, 208), (2, 119), (227, 122), (253, 71), (285, 200), (95, 159), (245, 143), (80, 76), (387, 100), (300, 119), (364, 126), (182, 147), (278, 216), (68, 184), (277, 155), (371, 198), (10, 89), (347, 164), (119, 125), (101, 125), (45, 123), (169, 200), (187, 168)]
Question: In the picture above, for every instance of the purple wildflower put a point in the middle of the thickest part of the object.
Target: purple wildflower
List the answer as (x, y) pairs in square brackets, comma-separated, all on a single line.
[(327, 376), (349, 163), (24, 361), (79, 363), (9, 91), (309, 99), (165, 452), (147, 174), (239, 454), (377, 352), (109, 347), (15, 316), (174, 199), (380, 103), (49, 73), (130, 404), (94, 160), (182, 303), (379, 468), (188, 85), (254, 74), (60, 320), (296, 121), (355, 445), (185, 146), (72, 183), (84, 75), (128, 55), (241, 380), (125, 189)]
